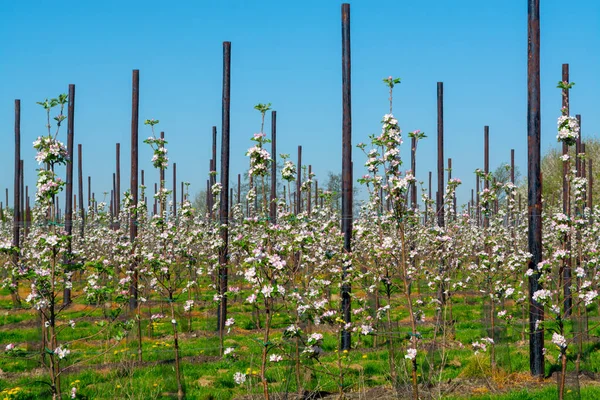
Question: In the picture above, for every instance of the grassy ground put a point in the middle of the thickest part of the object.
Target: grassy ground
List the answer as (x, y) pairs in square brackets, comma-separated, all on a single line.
[(103, 368)]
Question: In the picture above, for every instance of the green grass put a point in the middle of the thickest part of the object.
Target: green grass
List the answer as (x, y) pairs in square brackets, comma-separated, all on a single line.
[(105, 369)]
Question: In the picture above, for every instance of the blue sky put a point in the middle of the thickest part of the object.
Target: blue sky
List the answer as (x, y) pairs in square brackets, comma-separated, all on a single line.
[(289, 54)]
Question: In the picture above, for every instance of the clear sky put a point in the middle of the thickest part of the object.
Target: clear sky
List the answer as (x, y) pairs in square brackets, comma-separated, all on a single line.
[(289, 54)]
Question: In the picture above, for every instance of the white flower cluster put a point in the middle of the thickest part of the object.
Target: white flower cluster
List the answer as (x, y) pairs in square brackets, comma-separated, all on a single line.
[(588, 297), (568, 129), (259, 160), (239, 378), (559, 340), (62, 352), (50, 150), (541, 295), (411, 354), (288, 172)]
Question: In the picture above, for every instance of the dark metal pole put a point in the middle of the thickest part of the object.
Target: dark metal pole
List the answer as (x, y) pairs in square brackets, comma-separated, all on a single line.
[(346, 165), (486, 169), (477, 210), (273, 197), (27, 213), (80, 189), (22, 183), (308, 196), (209, 183), (89, 191), (224, 212), (17, 199), (512, 166), (213, 178), (534, 197), (239, 189), (175, 190), (133, 228), (118, 182), (472, 201), (590, 185), (69, 181), (299, 182), (113, 201), (440, 142)]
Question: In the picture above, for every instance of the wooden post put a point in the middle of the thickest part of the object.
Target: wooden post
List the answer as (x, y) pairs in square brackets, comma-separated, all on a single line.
[(133, 228), (16, 202), (80, 189), (534, 198), (69, 184), (346, 168), (224, 212)]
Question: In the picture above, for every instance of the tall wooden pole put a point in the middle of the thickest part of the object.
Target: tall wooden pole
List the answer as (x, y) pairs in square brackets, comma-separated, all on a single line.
[(113, 201), (155, 210), (17, 201), (224, 212), (175, 191), (299, 182), (308, 196), (440, 148), (534, 195), (346, 165), (80, 190), (133, 228), (273, 197), (239, 189), (213, 178), (22, 189), (69, 183), (118, 180), (486, 169)]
